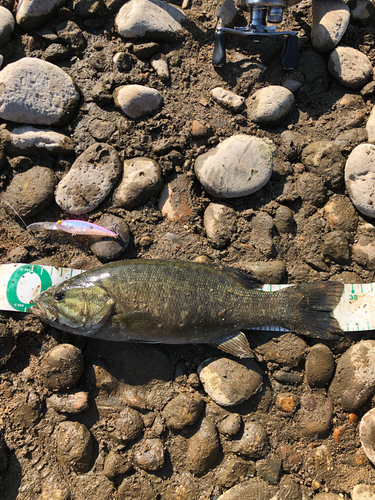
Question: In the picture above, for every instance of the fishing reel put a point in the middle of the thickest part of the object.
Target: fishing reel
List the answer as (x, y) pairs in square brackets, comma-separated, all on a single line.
[(262, 11)]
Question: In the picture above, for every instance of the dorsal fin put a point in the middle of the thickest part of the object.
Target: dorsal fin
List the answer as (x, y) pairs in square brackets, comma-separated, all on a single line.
[(246, 280)]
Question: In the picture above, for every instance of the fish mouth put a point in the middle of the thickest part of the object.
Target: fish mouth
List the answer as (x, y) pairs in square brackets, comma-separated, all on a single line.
[(44, 311)]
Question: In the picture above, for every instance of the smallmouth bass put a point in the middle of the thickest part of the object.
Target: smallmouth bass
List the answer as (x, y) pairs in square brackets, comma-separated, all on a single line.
[(176, 302)]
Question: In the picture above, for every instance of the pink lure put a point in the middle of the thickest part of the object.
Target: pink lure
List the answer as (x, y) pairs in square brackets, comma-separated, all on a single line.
[(80, 227)]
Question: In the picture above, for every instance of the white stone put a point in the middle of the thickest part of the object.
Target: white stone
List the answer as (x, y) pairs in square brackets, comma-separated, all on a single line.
[(148, 18), (227, 99), (363, 491), (270, 105), (330, 21), (370, 127), (160, 64), (350, 67), (30, 140), (33, 13), (137, 101), (360, 178), (6, 25), (36, 92)]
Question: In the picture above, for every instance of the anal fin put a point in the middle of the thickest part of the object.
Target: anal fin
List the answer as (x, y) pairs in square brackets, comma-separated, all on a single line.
[(236, 344)]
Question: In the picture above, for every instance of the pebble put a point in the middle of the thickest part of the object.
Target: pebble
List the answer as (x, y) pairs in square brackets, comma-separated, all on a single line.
[(230, 425), (69, 403), (74, 446), (182, 410), (291, 460), (288, 378), (160, 64), (107, 249), (287, 350), (175, 200), (336, 247), (199, 129), (137, 101), (324, 159), (136, 487), (349, 139), (354, 380), (253, 488), (89, 180), (311, 189), (61, 367), (90, 8), (340, 214), (269, 468), (70, 33), (251, 444), (319, 366), (37, 92), (149, 455), (128, 425), (141, 179), (33, 13), (330, 21), (6, 26), (360, 179), (31, 192), (289, 489), (123, 61), (203, 449), (350, 67), (315, 414), (362, 11), (233, 470), (363, 252), (229, 382), (283, 220), (363, 492), (116, 464), (238, 166), (146, 50), (370, 127), (287, 402), (28, 140), (293, 80), (261, 233), (101, 130), (146, 19), (220, 224), (228, 99), (270, 105), (272, 271)]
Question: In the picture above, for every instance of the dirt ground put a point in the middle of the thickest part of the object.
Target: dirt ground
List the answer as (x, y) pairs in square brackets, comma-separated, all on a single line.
[(324, 110)]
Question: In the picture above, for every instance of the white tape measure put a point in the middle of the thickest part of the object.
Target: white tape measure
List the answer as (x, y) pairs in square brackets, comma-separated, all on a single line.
[(20, 284)]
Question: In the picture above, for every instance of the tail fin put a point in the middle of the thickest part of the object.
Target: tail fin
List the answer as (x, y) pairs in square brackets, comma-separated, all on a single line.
[(314, 306)]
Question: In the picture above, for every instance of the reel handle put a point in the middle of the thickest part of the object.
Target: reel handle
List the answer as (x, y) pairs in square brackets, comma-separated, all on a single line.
[(219, 56)]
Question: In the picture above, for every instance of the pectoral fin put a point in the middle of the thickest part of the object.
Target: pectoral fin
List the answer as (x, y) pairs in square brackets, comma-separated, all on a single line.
[(138, 323), (236, 344)]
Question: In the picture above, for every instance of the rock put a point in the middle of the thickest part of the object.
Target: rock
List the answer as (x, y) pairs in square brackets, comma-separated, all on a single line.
[(136, 487), (111, 248), (293, 80), (203, 449), (350, 67), (233, 470), (272, 271), (141, 179), (55, 52), (61, 367), (227, 13), (251, 444), (360, 179), (253, 488), (370, 127), (269, 468), (116, 464), (289, 489), (128, 425), (100, 93), (327, 496), (366, 434), (33, 13), (101, 130), (311, 189), (71, 34), (228, 99), (354, 380), (363, 252), (149, 455), (74, 446), (219, 223), (283, 220), (288, 377), (319, 366), (137, 101), (336, 247), (349, 139), (230, 425), (89, 180), (270, 105), (175, 198), (36, 92), (183, 410), (69, 403), (287, 402), (29, 140), (361, 11), (261, 233), (146, 50), (363, 492), (199, 129), (6, 26), (340, 214), (324, 159), (160, 64), (238, 166), (229, 382), (287, 350), (330, 21), (315, 415), (152, 19), (88, 9), (32, 191), (123, 61), (291, 460)]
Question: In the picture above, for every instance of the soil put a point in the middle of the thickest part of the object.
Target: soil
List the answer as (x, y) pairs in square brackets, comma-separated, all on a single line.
[(154, 374)]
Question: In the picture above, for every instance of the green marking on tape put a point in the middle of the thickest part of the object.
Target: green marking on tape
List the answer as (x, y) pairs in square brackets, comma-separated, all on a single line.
[(11, 291)]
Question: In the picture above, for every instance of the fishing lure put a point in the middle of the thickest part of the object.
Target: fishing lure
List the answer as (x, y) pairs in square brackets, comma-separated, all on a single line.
[(74, 227)]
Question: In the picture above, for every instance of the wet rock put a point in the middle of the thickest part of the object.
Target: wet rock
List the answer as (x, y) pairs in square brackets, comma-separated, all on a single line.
[(229, 382), (315, 414), (311, 189), (149, 455), (74, 446), (33, 13), (340, 214), (287, 350), (363, 252), (283, 220), (354, 380), (238, 166), (336, 247), (219, 223), (288, 377), (261, 233), (232, 470), (350, 67), (359, 178), (36, 92), (269, 468), (324, 159), (69, 403), (116, 464), (253, 488), (128, 425), (251, 444), (61, 367), (89, 180), (330, 21), (228, 99), (111, 248), (203, 449), (31, 192), (175, 198), (230, 425), (154, 20), (141, 179), (160, 64), (320, 366), (136, 487), (270, 105), (29, 140), (182, 410), (6, 26), (289, 489), (370, 127), (137, 101), (272, 271), (363, 492), (287, 402)]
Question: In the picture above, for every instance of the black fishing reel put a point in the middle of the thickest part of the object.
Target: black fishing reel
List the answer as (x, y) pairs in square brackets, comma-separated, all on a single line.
[(262, 11)]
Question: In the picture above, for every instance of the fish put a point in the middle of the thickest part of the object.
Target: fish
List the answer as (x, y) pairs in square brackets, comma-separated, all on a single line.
[(182, 302), (74, 227)]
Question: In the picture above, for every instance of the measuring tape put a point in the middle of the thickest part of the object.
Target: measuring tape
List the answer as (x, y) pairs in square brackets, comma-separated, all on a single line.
[(20, 284)]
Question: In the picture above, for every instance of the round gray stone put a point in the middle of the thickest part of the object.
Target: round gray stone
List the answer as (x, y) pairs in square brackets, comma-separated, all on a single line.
[(315, 415), (36, 92), (6, 25), (111, 248), (137, 101), (227, 99), (32, 13), (90, 179), (270, 105), (350, 67), (360, 178), (238, 166), (320, 366), (219, 223), (330, 21)]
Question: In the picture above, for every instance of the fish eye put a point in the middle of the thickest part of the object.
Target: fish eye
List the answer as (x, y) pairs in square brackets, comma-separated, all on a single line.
[(59, 295)]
